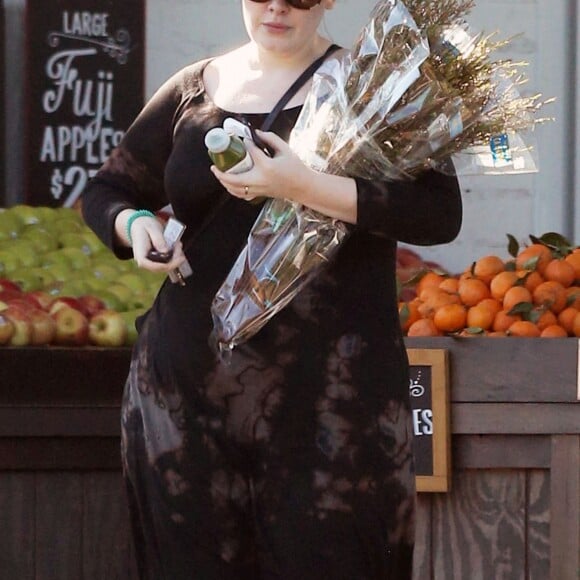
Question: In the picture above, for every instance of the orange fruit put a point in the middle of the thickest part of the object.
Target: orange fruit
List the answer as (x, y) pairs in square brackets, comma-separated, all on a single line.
[(491, 304), (449, 285), (515, 295), (560, 271), (480, 316), (436, 300), (574, 260), (566, 319), (487, 267), (546, 318), (408, 313), (450, 318), (573, 297), (503, 320), (576, 325), (550, 294), (423, 327), (553, 331), (534, 257), (501, 283), (428, 279), (472, 290), (523, 328), (530, 278), (496, 334)]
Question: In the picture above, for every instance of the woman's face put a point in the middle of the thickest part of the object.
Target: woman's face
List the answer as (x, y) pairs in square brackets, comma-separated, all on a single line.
[(278, 27)]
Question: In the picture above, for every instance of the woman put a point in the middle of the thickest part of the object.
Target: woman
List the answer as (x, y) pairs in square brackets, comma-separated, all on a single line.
[(294, 460)]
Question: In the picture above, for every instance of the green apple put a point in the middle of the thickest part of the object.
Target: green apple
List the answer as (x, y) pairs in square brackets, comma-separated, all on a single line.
[(9, 262), (42, 239), (133, 280), (76, 257), (105, 270), (10, 225), (63, 226), (26, 252), (112, 301), (94, 284), (74, 240), (60, 271), (55, 257), (124, 293), (129, 317), (45, 275), (27, 280), (94, 243), (74, 288), (27, 214)]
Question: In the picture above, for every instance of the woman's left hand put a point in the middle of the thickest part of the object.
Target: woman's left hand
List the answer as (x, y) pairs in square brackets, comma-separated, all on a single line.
[(281, 176)]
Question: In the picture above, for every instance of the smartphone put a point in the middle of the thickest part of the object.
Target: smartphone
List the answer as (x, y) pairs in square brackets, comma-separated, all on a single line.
[(260, 142), (161, 257), (245, 129)]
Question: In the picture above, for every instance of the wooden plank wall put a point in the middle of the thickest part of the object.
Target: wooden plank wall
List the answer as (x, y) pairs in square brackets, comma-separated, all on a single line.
[(64, 526), (513, 512)]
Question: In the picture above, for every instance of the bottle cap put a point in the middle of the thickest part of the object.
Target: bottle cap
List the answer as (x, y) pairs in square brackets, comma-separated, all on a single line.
[(217, 140)]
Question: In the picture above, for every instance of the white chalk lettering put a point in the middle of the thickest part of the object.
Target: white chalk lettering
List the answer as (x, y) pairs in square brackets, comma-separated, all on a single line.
[(423, 421), (85, 23)]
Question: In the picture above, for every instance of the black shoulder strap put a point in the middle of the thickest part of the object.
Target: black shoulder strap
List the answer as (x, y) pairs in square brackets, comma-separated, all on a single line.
[(295, 87), (265, 127)]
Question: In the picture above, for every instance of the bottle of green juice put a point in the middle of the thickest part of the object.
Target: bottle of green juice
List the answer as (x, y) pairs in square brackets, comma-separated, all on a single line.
[(227, 151)]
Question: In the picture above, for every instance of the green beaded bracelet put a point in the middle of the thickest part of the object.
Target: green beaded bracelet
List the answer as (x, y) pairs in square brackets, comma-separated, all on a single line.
[(136, 214)]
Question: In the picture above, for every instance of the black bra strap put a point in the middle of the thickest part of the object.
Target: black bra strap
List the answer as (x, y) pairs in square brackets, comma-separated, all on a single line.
[(295, 87)]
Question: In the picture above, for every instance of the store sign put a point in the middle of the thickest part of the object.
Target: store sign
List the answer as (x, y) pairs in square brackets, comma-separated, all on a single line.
[(84, 87), (429, 393)]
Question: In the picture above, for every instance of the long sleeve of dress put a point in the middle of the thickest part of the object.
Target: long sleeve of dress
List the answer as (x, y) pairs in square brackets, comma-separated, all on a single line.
[(133, 175), (424, 211)]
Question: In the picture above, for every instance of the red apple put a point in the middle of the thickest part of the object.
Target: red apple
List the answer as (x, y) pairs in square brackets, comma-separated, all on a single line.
[(107, 328), (6, 284), (91, 304), (25, 302), (6, 329), (6, 295), (61, 302), (22, 335), (72, 327), (43, 326), (407, 258), (43, 298)]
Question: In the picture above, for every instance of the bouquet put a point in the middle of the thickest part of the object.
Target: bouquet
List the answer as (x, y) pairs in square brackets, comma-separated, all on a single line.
[(417, 90)]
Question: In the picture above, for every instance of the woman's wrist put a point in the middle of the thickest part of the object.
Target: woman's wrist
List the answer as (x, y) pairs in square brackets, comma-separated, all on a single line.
[(124, 222)]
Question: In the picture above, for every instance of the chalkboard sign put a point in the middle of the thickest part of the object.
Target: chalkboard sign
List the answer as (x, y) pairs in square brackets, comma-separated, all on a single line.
[(429, 393), (84, 87)]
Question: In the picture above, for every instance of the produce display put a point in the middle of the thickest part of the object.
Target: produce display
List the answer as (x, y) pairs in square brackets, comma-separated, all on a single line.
[(534, 293), (60, 285)]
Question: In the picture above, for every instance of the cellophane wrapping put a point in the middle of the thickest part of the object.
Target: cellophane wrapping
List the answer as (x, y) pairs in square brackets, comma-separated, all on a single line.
[(417, 90)]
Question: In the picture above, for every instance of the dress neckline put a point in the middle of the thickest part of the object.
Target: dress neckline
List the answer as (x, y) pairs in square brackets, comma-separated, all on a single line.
[(227, 112)]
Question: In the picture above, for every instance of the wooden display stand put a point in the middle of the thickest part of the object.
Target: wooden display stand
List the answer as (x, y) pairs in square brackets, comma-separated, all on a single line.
[(513, 510)]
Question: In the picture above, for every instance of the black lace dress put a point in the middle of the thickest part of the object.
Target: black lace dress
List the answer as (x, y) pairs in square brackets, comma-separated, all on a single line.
[(294, 461)]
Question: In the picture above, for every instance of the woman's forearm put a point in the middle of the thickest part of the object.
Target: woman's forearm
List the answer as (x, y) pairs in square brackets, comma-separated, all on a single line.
[(331, 195)]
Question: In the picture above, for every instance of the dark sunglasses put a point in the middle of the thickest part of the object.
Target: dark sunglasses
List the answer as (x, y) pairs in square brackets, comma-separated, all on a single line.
[(299, 4)]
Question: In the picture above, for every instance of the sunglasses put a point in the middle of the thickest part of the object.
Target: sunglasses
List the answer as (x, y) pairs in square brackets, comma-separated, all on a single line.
[(299, 4)]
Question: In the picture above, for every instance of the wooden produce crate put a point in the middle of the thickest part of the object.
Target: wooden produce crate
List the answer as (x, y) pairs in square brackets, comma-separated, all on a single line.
[(513, 510)]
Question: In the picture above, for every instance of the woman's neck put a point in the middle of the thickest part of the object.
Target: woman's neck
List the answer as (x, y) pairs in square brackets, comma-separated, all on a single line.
[(265, 61)]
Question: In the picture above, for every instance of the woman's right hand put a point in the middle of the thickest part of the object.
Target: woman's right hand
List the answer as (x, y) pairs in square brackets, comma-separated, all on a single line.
[(147, 234)]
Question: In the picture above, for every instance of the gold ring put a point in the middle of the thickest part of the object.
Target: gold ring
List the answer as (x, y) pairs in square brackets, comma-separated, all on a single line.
[(246, 190)]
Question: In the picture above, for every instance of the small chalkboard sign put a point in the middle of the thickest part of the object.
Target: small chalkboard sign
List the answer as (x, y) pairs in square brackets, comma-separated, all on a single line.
[(429, 393), (84, 87)]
